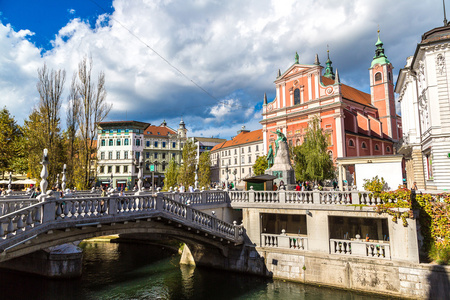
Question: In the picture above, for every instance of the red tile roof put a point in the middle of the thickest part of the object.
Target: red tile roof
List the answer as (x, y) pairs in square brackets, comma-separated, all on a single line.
[(158, 131), (242, 138), (350, 93)]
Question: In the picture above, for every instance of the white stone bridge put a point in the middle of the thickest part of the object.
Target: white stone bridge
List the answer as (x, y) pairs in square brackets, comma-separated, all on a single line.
[(27, 225)]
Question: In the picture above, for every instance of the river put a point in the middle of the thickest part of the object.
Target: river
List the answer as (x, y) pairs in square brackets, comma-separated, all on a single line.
[(130, 271)]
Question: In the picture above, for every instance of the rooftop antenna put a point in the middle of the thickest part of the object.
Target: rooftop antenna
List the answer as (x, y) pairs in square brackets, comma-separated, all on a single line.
[(445, 18)]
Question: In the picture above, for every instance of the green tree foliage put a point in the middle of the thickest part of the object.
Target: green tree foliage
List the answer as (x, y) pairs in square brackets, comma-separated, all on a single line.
[(204, 170), (375, 184), (260, 165), (10, 134), (171, 175), (312, 162), (186, 172)]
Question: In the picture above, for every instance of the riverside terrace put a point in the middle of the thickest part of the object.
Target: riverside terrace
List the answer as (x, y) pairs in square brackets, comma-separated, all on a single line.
[(338, 223)]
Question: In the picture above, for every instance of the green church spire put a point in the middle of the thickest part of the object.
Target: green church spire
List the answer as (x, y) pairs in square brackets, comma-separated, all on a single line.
[(329, 69), (380, 57)]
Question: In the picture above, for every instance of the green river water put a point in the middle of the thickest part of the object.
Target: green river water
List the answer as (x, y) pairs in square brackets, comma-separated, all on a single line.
[(130, 271)]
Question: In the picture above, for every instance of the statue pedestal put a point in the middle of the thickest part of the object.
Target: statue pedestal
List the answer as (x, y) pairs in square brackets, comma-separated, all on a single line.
[(282, 168)]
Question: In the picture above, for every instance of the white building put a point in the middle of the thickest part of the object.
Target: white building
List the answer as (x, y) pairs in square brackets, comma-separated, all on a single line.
[(238, 154), (119, 142), (423, 88)]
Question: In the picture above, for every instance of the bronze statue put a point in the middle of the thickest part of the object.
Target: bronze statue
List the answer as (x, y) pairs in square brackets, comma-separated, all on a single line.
[(281, 137), (270, 157)]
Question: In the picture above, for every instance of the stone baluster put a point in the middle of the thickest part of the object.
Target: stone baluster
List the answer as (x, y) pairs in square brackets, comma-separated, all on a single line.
[(8, 192), (63, 186), (316, 197), (282, 196), (251, 195), (44, 175)]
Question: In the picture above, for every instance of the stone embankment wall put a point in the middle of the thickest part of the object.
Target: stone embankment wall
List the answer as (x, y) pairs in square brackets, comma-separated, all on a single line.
[(395, 278)]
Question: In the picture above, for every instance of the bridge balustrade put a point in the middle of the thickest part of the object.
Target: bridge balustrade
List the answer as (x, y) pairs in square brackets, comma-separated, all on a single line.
[(284, 241), (375, 249)]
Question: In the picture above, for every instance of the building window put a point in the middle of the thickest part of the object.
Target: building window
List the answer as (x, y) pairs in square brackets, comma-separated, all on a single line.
[(147, 154), (174, 144), (242, 160), (296, 96), (117, 154), (156, 144), (378, 76), (257, 148), (125, 169), (125, 155), (388, 149), (125, 142), (102, 155), (223, 172), (148, 143), (127, 130), (173, 155), (351, 143), (102, 169), (119, 130), (163, 156), (389, 76), (103, 143), (111, 131), (117, 169), (243, 170), (111, 142), (163, 167), (363, 145), (242, 150), (118, 142), (235, 160), (249, 149), (250, 170), (164, 144), (138, 142), (377, 148), (235, 151), (249, 159), (155, 155), (110, 155), (137, 155), (429, 166), (109, 169)]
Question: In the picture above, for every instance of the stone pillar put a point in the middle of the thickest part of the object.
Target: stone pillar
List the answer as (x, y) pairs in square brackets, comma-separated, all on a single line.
[(318, 233)]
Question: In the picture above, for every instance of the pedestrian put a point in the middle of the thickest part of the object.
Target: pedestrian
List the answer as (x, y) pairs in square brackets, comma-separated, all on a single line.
[(275, 186), (182, 189), (297, 187), (191, 188)]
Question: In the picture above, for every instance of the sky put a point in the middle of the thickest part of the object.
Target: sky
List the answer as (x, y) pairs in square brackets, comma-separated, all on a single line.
[(208, 62)]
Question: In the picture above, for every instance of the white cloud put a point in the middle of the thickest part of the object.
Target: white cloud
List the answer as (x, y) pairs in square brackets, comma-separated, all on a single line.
[(232, 49), (71, 11)]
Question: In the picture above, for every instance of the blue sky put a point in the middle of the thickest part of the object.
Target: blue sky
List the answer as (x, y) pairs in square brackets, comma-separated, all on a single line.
[(232, 49)]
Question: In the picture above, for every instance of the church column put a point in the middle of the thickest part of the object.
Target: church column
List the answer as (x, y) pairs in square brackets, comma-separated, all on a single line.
[(340, 135), (284, 94), (309, 87), (278, 96)]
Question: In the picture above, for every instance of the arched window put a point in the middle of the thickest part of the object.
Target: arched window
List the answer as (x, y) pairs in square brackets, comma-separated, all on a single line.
[(363, 145), (378, 76), (118, 143), (351, 143), (388, 149), (377, 148), (296, 96)]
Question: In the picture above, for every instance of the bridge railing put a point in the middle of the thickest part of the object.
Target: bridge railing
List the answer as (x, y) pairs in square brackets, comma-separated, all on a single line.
[(198, 198), (374, 249), (10, 205), (88, 210)]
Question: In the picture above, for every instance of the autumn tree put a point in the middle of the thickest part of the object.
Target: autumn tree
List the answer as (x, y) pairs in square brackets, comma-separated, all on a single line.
[(186, 172), (72, 112), (10, 133), (171, 175), (312, 162), (260, 165), (42, 129), (204, 170), (92, 110)]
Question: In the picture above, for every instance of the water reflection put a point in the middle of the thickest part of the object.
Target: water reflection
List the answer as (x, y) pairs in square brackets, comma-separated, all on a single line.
[(127, 271)]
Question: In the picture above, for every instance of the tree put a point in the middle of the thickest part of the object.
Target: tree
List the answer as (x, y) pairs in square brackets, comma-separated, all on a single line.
[(186, 172), (92, 110), (171, 175), (42, 129), (204, 170), (73, 110), (9, 135), (260, 165), (312, 162)]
